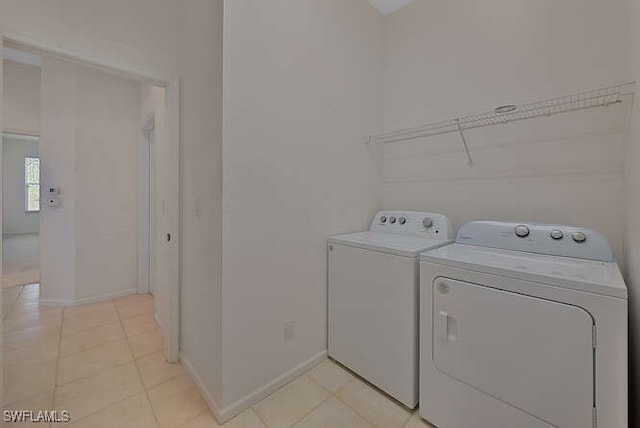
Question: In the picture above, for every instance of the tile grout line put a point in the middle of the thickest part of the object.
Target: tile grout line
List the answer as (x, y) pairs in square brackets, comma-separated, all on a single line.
[(358, 378), (58, 358), (111, 368), (135, 364)]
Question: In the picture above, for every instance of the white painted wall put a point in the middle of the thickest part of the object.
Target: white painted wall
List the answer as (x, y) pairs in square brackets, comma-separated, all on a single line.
[(21, 97), (302, 89), (145, 33), (632, 244), (106, 123), (200, 295), (15, 218), (447, 58), (57, 166), (89, 149)]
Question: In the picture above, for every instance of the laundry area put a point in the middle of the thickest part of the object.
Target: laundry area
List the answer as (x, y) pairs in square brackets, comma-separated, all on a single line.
[(322, 213)]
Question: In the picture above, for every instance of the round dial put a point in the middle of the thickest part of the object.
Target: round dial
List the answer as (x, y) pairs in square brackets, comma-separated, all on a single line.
[(402, 220), (392, 219), (427, 222), (579, 237), (556, 234), (383, 219), (522, 231)]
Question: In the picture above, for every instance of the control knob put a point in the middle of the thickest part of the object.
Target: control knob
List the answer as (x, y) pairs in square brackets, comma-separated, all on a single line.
[(402, 220), (383, 219), (427, 222), (392, 219), (556, 234), (522, 231), (579, 237)]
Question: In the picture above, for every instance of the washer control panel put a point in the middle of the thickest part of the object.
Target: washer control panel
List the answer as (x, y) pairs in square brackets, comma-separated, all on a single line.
[(418, 223), (551, 239)]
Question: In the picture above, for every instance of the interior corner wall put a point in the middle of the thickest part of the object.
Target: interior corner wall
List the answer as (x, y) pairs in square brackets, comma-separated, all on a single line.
[(88, 149), (632, 230), (302, 82), (449, 58), (15, 218), (21, 98), (200, 295)]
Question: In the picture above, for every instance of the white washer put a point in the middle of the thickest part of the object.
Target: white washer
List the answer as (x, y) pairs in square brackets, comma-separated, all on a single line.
[(373, 298), (523, 326)]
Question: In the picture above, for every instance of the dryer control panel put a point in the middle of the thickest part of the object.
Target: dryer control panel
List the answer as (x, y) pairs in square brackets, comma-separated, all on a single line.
[(551, 239), (417, 223)]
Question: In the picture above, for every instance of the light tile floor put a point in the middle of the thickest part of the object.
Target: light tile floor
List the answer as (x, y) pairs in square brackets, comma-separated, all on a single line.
[(20, 259), (104, 363)]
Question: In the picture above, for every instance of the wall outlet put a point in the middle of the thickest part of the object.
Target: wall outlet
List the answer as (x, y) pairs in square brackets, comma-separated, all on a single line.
[(289, 330)]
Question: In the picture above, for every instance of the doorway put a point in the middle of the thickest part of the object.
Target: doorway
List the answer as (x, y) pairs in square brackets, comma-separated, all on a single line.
[(21, 210), (159, 223), (147, 208)]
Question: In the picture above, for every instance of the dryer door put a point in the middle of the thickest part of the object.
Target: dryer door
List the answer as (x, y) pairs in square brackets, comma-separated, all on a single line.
[(534, 354)]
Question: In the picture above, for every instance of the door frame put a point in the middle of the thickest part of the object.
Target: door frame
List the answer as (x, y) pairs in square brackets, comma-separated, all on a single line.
[(173, 174), (145, 205)]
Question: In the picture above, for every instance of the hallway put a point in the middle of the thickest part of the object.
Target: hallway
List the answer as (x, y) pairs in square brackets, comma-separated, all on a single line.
[(20, 259)]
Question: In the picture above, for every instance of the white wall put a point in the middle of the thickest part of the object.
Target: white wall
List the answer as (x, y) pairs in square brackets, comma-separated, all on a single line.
[(144, 33), (447, 58), (21, 97), (57, 166), (89, 149), (632, 245), (15, 218), (302, 89), (200, 297), (106, 182)]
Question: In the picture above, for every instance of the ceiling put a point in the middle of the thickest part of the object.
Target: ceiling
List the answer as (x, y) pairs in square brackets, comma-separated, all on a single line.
[(386, 7)]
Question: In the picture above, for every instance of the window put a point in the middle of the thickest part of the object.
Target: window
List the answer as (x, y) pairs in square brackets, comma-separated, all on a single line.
[(32, 184)]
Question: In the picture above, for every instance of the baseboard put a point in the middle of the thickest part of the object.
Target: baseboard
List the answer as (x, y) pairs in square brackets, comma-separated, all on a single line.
[(204, 392), (240, 405), (87, 300)]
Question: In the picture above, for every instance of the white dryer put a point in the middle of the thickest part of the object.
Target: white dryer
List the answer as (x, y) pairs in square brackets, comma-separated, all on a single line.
[(373, 298), (523, 326)]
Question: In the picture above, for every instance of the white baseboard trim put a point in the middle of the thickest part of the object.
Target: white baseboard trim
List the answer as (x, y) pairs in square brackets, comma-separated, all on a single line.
[(191, 371), (87, 300), (240, 405)]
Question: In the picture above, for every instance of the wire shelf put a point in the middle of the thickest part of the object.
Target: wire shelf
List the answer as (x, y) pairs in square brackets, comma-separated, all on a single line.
[(509, 113)]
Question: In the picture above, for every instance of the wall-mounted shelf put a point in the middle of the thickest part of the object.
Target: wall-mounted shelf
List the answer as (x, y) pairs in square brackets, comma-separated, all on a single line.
[(510, 113)]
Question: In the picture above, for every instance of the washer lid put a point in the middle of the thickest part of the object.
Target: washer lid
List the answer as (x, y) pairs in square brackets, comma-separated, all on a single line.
[(578, 274), (392, 243)]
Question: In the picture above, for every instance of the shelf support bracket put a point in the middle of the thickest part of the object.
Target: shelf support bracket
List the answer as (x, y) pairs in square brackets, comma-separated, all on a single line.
[(464, 142)]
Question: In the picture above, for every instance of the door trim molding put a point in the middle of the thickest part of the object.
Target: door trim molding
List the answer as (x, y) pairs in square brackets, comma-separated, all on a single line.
[(172, 85)]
